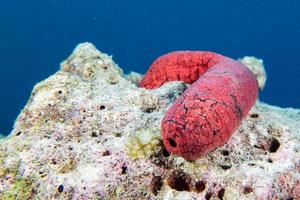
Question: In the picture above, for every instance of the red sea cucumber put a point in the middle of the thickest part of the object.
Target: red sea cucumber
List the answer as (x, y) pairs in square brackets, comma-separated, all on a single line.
[(222, 92)]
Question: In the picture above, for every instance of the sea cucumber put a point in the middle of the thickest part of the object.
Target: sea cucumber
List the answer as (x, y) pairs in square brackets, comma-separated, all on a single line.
[(223, 91)]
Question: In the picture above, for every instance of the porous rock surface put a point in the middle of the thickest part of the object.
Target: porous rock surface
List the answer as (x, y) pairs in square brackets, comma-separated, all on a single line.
[(257, 67), (88, 132)]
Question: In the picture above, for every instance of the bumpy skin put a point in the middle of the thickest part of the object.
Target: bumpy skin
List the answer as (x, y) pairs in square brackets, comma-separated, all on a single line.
[(210, 110)]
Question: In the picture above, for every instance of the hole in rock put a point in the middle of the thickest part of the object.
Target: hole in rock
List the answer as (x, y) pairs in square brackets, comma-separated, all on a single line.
[(179, 180), (275, 144), (225, 167), (160, 158), (225, 152), (149, 110), (124, 169), (117, 134), (208, 195), (200, 186), (254, 115), (248, 189), (221, 193), (156, 184), (60, 188), (106, 153), (94, 134), (165, 152)]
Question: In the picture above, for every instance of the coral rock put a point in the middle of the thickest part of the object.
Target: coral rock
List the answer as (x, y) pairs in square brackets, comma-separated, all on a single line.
[(70, 142), (257, 67)]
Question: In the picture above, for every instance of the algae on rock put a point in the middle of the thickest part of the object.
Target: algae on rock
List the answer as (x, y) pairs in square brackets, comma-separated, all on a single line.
[(82, 129)]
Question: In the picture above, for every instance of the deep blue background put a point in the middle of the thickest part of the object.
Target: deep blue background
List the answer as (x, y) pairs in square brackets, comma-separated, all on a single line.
[(36, 35)]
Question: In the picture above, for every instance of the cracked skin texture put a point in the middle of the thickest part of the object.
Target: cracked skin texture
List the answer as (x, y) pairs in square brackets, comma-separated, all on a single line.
[(223, 91)]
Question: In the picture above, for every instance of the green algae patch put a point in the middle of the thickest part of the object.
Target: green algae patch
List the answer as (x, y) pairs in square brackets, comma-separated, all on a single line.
[(143, 143), (22, 189)]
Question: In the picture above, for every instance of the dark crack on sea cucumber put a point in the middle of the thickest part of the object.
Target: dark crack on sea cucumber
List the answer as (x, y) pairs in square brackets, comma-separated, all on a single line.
[(239, 111)]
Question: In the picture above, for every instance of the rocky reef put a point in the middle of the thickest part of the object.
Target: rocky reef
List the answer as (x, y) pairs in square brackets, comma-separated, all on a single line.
[(89, 132)]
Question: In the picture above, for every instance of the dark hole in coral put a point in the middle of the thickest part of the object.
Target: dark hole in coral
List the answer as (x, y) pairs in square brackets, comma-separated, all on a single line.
[(124, 169), (60, 188), (59, 92), (208, 195), (225, 152), (256, 146), (18, 133), (270, 160), (275, 144), (172, 142), (53, 161), (221, 193), (254, 115), (149, 110), (289, 198), (225, 167), (248, 189), (200, 186), (159, 159), (251, 164), (105, 67), (102, 107), (94, 134), (179, 181), (118, 134), (106, 153), (165, 152), (156, 184)]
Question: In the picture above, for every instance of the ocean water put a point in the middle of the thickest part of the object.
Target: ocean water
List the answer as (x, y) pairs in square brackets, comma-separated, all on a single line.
[(35, 36)]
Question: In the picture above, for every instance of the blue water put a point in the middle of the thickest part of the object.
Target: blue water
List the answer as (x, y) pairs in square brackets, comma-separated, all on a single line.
[(36, 35)]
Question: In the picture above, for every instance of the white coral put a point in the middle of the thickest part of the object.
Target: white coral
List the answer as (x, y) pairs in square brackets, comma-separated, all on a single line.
[(69, 142)]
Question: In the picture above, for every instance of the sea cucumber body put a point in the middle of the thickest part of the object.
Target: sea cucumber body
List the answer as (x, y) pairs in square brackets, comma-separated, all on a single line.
[(210, 110)]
